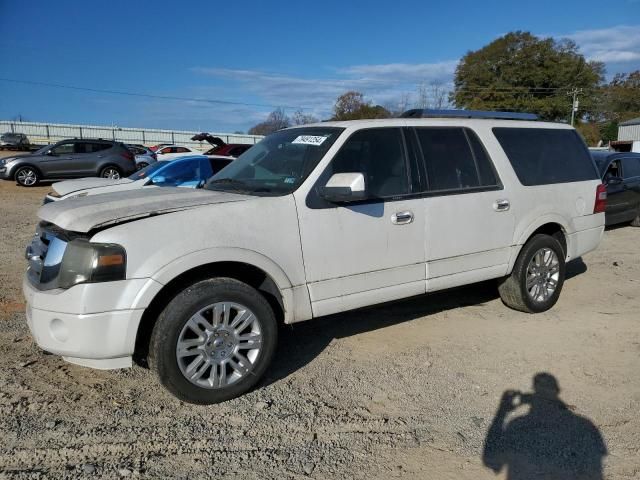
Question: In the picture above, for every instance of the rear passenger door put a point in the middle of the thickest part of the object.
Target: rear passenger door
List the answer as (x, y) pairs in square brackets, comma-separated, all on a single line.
[(468, 222)]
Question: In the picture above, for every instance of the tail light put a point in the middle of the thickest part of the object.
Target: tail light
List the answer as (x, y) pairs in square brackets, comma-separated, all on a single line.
[(601, 199), (128, 155)]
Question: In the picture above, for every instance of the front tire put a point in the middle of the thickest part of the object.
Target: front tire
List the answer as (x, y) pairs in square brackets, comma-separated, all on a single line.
[(213, 341), (111, 172), (537, 277), (636, 221), (27, 176)]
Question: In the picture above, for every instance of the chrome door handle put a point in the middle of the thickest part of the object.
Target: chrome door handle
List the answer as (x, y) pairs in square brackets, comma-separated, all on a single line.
[(501, 205), (402, 218)]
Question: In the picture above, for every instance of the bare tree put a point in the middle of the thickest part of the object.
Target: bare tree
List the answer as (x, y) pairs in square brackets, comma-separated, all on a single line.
[(277, 120), (433, 95), (301, 118)]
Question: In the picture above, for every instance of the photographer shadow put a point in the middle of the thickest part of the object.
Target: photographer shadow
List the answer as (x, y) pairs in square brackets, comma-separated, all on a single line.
[(548, 442)]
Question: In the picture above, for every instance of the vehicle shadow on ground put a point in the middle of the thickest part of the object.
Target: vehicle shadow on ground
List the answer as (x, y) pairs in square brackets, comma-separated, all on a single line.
[(300, 343), (548, 441)]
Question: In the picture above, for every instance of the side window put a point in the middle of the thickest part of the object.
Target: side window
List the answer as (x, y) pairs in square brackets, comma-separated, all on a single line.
[(63, 149), (180, 150), (455, 159), (613, 171), (378, 153), (543, 156), (167, 150), (631, 167)]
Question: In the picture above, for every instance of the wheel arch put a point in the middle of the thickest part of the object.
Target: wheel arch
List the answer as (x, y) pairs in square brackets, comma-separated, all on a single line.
[(246, 272), (553, 226), (22, 165)]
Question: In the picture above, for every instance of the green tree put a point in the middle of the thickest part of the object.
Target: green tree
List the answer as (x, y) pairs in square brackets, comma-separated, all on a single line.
[(524, 73), (352, 106), (621, 97)]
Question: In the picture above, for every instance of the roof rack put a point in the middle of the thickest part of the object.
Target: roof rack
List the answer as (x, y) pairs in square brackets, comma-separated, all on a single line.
[(426, 113)]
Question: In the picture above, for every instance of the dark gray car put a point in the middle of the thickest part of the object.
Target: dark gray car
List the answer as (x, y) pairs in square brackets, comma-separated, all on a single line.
[(70, 159)]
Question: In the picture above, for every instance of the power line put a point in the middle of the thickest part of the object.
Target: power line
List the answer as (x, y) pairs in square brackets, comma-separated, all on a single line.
[(148, 95)]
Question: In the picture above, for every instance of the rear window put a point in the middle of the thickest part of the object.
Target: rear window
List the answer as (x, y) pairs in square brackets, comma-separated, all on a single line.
[(543, 156)]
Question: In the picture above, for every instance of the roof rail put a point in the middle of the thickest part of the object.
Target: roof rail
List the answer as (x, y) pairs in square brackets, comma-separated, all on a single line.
[(426, 113)]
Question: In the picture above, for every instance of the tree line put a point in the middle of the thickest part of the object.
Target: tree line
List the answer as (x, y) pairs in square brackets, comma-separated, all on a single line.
[(517, 72)]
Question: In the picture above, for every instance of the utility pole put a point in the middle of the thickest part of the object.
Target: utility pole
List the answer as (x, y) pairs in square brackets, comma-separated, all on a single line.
[(575, 103)]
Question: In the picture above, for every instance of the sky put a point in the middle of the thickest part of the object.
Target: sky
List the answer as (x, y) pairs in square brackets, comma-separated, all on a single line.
[(226, 65)]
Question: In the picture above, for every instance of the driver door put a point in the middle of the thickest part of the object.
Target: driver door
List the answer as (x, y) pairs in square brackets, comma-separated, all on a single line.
[(59, 161), (373, 250)]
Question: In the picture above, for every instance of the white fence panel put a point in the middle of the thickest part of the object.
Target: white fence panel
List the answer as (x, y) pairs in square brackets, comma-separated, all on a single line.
[(44, 133)]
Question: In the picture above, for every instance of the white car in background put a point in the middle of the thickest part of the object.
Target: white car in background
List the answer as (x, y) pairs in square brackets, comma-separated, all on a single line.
[(175, 151)]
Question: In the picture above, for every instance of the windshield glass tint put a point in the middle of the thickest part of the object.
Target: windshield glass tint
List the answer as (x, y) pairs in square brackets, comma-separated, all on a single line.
[(148, 170), (279, 163)]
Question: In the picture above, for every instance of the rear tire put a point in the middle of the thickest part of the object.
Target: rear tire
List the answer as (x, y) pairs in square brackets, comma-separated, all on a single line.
[(111, 172), (213, 341), (537, 277), (27, 176), (636, 221)]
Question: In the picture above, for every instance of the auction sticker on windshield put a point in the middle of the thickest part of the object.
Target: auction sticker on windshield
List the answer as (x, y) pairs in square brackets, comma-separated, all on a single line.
[(310, 140)]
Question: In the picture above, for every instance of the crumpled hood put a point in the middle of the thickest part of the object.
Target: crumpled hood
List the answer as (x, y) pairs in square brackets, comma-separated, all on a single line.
[(70, 186), (82, 214)]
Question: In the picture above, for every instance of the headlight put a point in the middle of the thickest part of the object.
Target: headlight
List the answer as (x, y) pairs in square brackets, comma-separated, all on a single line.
[(85, 262)]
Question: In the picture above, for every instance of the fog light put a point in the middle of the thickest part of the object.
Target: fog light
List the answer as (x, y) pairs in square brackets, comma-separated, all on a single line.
[(59, 330)]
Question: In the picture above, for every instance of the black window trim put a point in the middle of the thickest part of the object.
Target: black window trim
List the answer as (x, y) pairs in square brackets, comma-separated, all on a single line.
[(458, 191), (315, 202)]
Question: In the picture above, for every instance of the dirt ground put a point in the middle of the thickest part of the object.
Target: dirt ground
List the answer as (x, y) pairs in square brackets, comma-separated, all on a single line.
[(404, 390)]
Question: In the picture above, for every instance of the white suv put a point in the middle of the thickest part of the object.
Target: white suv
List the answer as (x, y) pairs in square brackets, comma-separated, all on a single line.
[(311, 221)]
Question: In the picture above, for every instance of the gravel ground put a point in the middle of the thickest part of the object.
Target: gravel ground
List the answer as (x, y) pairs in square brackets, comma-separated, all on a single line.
[(404, 390)]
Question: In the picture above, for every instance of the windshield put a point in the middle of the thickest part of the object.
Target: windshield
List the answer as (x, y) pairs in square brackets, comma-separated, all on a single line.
[(148, 170), (279, 163)]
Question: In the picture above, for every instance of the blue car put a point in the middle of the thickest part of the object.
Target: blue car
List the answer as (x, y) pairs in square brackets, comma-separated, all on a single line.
[(189, 172)]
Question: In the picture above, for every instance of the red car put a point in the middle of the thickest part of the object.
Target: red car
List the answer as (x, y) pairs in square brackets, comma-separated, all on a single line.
[(220, 147)]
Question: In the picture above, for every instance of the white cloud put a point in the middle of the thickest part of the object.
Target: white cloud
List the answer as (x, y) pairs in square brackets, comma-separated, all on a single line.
[(381, 83), (619, 44)]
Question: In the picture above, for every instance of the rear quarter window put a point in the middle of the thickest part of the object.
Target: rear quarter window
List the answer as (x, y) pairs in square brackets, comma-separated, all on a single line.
[(543, 156)]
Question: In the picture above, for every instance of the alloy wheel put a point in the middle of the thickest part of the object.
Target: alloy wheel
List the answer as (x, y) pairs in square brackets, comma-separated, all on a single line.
[(111, 172), (27, 177), (543, 274), (219, 345)]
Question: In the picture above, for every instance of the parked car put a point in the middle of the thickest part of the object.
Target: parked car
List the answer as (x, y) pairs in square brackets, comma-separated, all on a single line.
[(14, 141), (170, 152), (143, 155), (219, 147), (190, 172), (69, 159), (159, 145), (313, 220), (621, 174)]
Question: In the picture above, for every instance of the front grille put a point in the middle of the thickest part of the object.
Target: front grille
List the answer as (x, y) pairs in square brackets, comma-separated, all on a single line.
[(44, 255)]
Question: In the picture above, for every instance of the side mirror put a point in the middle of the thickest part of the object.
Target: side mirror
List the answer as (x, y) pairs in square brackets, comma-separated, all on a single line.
[(614, 181), (344, 188)]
